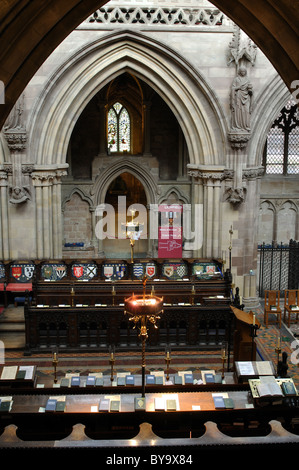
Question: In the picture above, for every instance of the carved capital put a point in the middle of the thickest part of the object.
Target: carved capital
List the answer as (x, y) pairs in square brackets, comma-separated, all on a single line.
[(253, 173), (239, 140), (43, 178), (16, 139), (8, 168), (27, 168), (206, 173), (228, 174), (47, 177), (3, 178)]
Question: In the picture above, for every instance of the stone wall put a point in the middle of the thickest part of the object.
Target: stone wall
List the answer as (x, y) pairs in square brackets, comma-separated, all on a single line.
[(279, 209)]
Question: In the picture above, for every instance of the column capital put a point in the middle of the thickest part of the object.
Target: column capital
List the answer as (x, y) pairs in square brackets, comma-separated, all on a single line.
[(46, 176), (3, 178), (207, 172)]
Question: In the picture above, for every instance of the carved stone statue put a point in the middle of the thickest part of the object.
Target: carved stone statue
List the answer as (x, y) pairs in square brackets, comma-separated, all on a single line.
[(241, 102), (19, 195)]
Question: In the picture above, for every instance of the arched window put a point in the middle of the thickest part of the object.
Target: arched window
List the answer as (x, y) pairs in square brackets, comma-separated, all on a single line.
[(119, 129), (281, 156)]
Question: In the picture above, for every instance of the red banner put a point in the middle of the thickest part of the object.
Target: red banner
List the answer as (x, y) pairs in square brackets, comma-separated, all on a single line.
[(170, 234)]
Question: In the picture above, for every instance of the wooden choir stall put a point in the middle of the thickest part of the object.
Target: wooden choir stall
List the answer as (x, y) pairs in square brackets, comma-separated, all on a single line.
[(80, 305)]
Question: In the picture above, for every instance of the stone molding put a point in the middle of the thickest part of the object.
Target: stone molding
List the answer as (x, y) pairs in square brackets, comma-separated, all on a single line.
[(159, 16), (253, 173)]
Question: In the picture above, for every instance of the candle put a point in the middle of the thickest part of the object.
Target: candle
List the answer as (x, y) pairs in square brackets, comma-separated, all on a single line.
[(55, 356), (278, 339), (253, 320)]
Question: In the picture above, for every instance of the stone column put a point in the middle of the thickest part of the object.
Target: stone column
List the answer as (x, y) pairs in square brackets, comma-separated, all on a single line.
[(4, 223), (244, 246), (57, 214), (48, 213), (99, 212), (208, 216), (42, 181), (39, 218), (211, 178)]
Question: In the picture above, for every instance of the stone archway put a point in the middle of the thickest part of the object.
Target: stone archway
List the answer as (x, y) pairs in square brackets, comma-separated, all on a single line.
[(77, 81), (112, 169), (268, 104), (195, 106)]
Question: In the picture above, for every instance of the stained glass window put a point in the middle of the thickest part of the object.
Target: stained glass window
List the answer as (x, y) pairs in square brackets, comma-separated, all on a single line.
[(119, 129), (281, 154)]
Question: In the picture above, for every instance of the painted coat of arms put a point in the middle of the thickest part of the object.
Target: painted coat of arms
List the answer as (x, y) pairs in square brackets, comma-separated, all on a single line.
[(84, 271), (53, 272), (22, 272)]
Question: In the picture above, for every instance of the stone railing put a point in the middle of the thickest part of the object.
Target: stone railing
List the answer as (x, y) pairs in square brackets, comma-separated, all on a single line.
[(167, 16)]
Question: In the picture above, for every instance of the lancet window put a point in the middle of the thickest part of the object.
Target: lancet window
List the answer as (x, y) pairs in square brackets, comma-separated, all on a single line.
[(119, 129), (281, 154)]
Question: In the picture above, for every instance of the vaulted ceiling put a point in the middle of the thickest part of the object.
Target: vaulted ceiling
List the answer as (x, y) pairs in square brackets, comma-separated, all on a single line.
[(31, 29)]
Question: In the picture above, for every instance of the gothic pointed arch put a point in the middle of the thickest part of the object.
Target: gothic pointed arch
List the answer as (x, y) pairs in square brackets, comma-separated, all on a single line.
[(268, 104), (184, 90), (81, 194), (111, 172), (174, 194)]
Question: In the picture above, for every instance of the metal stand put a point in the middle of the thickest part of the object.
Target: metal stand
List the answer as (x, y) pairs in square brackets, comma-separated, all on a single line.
[(141, 310), (167, 360), (278, 351), (112, 361), (54, 363), (143, 365)]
